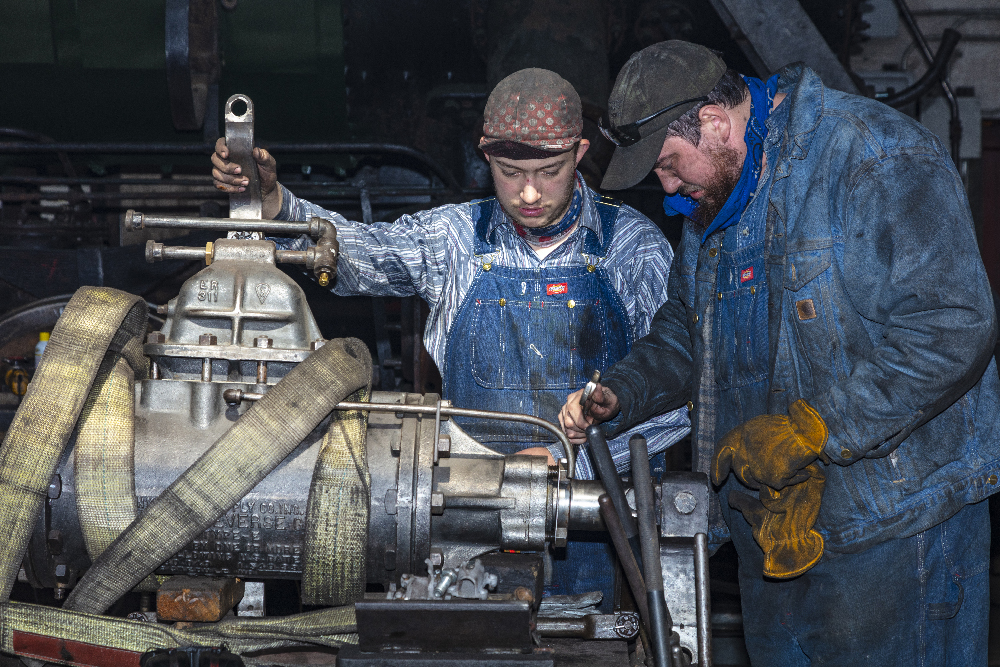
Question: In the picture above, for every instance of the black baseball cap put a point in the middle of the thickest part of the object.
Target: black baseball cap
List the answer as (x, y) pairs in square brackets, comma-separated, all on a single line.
[(659, 76)]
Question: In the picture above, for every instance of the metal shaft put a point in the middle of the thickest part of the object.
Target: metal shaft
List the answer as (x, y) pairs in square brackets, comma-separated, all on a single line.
[(703, 600), (632, 572), (136, 220), (600, 454), (660, 622)]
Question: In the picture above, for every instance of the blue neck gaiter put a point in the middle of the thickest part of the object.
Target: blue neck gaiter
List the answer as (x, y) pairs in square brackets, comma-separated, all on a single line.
[(761, 98)]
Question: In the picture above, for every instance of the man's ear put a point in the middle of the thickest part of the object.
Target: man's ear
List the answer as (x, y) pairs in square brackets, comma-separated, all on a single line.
[(715, 122), (581, 149)]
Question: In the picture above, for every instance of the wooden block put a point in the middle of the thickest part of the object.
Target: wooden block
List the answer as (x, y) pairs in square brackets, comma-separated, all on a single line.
[(197, 599)]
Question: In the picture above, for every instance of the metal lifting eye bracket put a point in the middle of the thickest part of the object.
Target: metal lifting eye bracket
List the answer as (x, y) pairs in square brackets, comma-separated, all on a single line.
[(239, 141)]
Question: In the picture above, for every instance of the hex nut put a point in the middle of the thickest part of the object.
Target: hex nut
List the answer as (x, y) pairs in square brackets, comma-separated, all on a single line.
[(262, 341), (437, 503), (208, 339), (316, 344), (155, 337)]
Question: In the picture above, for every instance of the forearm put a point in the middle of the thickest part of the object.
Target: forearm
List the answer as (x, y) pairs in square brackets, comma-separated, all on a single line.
[(655, 377)]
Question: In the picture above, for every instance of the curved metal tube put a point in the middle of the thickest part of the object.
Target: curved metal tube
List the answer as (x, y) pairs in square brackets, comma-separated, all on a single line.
[(948, 43), (467, 412)]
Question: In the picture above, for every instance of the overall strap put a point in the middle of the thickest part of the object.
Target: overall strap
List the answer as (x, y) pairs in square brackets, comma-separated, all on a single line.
[(482, 212), (607, 210)]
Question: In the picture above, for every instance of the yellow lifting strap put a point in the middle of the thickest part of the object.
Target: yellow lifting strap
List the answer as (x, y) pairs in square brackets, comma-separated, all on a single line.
[(337, 515), (99, 328)]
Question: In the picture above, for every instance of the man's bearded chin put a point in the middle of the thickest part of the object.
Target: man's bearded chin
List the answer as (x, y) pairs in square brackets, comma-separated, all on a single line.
[(728, 167)]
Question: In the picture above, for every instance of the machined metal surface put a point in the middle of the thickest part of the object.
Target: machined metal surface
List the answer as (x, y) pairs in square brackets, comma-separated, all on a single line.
[(620, 625), (240, 142)]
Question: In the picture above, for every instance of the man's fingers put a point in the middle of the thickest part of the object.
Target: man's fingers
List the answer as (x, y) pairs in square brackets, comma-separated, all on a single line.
[(221, 148)]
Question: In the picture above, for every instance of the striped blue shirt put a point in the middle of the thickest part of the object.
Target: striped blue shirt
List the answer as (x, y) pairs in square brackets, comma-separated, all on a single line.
[(430, 254)]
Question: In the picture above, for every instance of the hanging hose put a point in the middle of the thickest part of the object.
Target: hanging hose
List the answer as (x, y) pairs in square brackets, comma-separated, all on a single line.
[(262, 438), (949, 40)]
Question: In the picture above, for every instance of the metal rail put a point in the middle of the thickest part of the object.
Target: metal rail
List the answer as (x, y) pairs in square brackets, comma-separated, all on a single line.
[(133, 148)]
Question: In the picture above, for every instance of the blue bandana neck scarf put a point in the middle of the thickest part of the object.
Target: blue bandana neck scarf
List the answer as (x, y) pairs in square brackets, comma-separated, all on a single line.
[(543, 237), (761, 98)]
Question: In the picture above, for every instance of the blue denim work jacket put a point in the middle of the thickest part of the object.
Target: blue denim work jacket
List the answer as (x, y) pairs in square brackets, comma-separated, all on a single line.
[(879, 314)]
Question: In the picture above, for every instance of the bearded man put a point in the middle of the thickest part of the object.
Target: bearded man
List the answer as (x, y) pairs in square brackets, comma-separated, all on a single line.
[(831, 326), (530, 291)]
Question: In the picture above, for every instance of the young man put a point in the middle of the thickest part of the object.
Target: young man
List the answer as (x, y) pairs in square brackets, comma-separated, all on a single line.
[(530, 291), (831, 323)]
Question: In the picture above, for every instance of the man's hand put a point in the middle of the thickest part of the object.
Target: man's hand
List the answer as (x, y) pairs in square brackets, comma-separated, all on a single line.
[(538, 451), (228, 177), (575, 418)]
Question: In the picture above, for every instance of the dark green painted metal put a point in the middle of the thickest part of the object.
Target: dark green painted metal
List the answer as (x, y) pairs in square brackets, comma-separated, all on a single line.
[(94, 70)]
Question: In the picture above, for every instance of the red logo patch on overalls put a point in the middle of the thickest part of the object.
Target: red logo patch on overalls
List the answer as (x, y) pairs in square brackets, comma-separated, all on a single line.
[(556, 288), (746, 274)]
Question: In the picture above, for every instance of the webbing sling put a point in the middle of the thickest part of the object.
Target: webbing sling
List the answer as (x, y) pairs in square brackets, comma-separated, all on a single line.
[(337, 516), (260, 440), (105, 324), (104, 461), (98, 325)]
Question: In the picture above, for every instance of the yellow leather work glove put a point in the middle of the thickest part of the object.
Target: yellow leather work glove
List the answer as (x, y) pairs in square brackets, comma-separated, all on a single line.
[(772, 450), (783, 523)]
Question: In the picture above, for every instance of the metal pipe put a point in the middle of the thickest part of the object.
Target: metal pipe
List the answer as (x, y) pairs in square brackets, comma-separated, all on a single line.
[(661, 625), (955, 124), (600, 454), (134, 220), (633, 575), (235, 396), (132, 148), (703, 600)]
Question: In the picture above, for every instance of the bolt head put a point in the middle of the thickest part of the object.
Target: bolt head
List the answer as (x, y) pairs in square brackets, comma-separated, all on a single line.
[(685, 502), (437, 558), (437, 503), (208, 339), (262, 341), (155, 337), (316, 344)]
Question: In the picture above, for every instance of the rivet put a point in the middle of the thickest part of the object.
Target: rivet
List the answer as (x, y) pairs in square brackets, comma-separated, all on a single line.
[(992, 479), (720, 296), (712, 252), (694, 318), (591, 268), (571, 303), (753, 289), (487, 266), (690, 406), (503, 302), (846, 453)]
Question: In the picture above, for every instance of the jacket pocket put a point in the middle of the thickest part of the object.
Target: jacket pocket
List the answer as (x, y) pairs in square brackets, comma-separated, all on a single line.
[(537, 344), (809, 315)]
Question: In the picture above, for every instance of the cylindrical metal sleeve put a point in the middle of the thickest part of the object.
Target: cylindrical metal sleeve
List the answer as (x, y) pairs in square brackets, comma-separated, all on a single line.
[(584, 512)]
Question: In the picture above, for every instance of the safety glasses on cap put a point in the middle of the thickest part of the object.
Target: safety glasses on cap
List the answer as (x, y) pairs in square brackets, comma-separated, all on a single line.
[(626, 135)]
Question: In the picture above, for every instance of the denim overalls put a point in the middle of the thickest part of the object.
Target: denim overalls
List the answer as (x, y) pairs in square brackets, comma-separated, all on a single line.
[(525, 338)]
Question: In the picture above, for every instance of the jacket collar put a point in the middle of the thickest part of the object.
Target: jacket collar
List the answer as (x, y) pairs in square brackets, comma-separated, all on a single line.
[(806, 96)]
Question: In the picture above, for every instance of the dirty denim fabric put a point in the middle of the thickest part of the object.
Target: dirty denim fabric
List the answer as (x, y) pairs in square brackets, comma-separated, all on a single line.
[(879, 314), (918, 600), (431, 254)]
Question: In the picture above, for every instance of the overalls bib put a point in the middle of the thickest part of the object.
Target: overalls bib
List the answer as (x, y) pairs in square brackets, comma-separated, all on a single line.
[(523, 339)]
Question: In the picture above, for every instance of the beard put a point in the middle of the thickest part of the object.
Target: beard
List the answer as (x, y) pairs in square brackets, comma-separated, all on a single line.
[(728, 167)]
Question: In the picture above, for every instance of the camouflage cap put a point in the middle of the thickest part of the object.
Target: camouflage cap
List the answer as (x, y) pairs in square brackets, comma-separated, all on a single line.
[(657, 77), (533, 113)]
